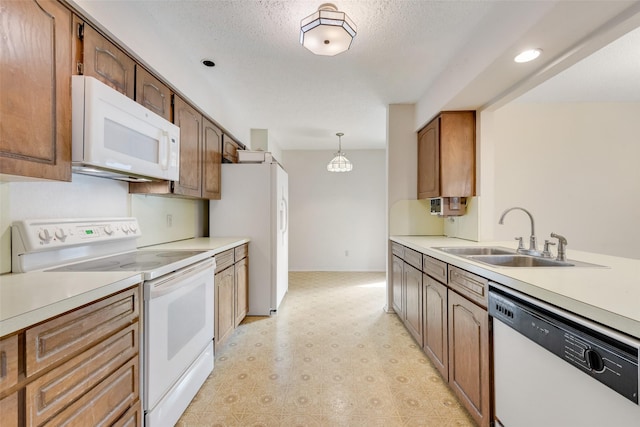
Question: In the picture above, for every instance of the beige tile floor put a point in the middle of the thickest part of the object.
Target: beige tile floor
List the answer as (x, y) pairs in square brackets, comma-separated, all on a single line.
[(330, 357)]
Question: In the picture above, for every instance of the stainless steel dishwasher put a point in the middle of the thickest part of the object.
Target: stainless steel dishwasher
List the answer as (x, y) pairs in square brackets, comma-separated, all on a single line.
[(553, 368)]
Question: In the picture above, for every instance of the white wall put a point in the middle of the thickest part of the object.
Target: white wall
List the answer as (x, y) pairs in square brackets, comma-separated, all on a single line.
[(575, 167), (335, 213), (89, 197)]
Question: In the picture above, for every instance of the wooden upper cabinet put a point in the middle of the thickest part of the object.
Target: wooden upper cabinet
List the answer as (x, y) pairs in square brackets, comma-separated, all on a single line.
[(230, 150), (446, 156), (103, 60), (35, 77), (212, 158), (152, 93), (189, 120)]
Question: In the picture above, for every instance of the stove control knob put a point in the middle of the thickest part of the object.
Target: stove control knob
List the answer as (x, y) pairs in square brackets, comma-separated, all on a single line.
[(108, 230), (594, 360), (44, 235), (60, 234)]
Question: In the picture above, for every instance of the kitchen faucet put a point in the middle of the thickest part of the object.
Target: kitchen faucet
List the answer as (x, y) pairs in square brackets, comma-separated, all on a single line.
[(533, 249)]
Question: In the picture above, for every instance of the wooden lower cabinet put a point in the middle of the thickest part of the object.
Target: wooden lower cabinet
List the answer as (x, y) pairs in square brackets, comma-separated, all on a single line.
[(412, 281), (224, 282), (79, 368), (398, 294), (469, 373), (241, 290), (9, 410), (435, 328)]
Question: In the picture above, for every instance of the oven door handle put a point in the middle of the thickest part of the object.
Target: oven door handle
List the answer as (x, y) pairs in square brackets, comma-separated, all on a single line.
[(174, 281)]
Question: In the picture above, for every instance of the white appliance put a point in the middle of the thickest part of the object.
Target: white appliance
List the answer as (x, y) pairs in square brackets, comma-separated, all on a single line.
[(255, 203), (115, 137), (177, 353), (553, 368)]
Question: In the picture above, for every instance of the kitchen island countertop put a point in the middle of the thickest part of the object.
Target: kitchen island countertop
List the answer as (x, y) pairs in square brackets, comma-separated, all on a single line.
[(609, 295)]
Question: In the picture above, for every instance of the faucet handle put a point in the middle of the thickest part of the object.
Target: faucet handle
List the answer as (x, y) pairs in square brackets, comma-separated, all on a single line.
[(520, 244), (546, 252)]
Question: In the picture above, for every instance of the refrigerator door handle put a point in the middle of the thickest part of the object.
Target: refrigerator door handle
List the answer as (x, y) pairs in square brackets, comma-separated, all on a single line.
[(284, 216)]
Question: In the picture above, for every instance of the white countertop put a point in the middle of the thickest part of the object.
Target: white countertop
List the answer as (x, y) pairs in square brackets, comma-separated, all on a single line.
[(29, 298), (610, 295)]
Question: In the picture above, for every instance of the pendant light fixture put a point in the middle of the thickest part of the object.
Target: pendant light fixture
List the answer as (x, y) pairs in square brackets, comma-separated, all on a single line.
[(340, 163), (328, 31)]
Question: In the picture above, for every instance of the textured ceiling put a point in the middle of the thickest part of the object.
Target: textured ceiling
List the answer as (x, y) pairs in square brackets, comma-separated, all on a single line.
[(439, 54)]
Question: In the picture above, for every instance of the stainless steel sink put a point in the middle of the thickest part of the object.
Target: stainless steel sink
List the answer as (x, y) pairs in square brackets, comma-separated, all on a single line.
[(515, 260), (476, 250)]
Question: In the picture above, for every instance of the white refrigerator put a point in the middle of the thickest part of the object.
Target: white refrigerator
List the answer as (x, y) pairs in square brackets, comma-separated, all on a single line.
[(255, 204)]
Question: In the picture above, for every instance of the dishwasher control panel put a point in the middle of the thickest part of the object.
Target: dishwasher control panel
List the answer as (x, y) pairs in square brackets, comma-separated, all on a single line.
[(610, 361)]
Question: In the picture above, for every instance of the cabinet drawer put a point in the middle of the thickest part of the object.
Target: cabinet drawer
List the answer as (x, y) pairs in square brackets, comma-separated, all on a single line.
[(106, 403), (224, 260), (50, 393), (131, 418), (468, 284), (434, 268), (397, 249), (8, 362), (413, 257), (77, 330), (241, 252), (9, 410)]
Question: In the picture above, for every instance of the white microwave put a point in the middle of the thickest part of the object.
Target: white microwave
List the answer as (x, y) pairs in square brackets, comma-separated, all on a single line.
[(115, 137)]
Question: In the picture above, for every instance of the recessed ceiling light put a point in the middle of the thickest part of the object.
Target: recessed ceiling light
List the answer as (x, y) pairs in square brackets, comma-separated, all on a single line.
[(528, 55), (208, 63)]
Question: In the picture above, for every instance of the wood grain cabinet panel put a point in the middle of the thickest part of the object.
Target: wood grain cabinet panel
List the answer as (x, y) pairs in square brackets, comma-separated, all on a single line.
[(230, 150), (398, 289), (131, 418), (52, 392), (8, 362), (435, 268), (9, 410), (412, 278), (211, 161), (241, 252), (55, 339), (446, 156), (224, 260), (103, 60), (241, 299), (35, 106), (435, 330), (152, 93), (107, 402), (469, 356), (224, 282), (189, 120), (470, 285)]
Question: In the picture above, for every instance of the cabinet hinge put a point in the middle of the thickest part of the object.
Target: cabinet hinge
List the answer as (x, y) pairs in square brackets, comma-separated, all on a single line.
[(80, 33), (80, 68)]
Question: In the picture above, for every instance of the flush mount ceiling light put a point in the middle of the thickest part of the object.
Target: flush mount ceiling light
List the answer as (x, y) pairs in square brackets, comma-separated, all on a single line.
[(328, 31), (527, 55), (339, 163)]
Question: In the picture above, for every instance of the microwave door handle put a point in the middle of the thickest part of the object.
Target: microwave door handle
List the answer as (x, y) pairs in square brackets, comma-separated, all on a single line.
[(164, 150)]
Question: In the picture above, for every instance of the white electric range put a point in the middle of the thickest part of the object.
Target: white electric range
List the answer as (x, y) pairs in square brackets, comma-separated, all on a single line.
[(178, 288)]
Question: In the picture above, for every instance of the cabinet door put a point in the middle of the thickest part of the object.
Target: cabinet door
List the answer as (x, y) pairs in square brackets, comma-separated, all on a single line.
[(398, 294), (230, 150), (212, 158), (242, 290), (189, 120), (9, 410), (224, 282), (469, 356), (35, 106), (105, 61), (413, 301), (434, 295), (429, 160), (457, 153), (152, 93), (8, 362)]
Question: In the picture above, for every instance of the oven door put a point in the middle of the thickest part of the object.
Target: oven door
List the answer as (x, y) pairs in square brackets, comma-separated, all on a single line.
[(178, 326)]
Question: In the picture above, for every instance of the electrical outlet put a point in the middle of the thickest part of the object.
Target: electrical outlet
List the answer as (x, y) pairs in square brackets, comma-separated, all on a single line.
[(169, 220)]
